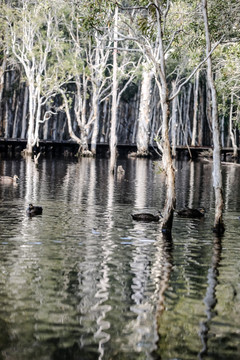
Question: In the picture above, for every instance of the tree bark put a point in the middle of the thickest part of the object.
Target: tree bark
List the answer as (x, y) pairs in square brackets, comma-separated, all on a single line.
[(144, 114), (113, 134), (95, 106), (70, 129), (231, 133), (2, 72), (170, 202), (174, 121), (24, 114), (217, 171), (195, 109)]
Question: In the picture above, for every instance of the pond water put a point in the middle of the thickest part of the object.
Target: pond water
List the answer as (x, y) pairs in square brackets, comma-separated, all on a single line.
[(85, 281)]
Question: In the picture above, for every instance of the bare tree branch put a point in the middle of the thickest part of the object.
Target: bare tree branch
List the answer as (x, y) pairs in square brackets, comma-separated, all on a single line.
[(195, 70)]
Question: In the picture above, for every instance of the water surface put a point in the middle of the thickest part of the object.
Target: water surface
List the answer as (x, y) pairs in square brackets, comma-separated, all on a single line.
[(85, 281)]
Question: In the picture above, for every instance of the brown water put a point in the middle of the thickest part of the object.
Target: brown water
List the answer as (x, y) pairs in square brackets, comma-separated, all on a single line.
[(85, 281)]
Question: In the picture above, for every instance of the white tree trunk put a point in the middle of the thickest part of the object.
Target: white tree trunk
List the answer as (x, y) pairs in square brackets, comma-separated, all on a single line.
[(24, 114), (217, 171), (195, 109), (144, 113), (113, 134), (174, 121), (160, 72), (31, 118), (2, 71), (69, 121), (95, 108), (231, 133), (168, 166)]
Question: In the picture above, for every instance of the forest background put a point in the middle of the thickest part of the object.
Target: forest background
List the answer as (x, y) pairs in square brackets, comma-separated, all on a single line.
[(128, 72)]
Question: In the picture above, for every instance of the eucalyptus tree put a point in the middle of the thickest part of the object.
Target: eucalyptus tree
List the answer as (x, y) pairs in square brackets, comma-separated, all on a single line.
[(220, 20), (98, 70), (228, 87), (90, 47), (160, 29), (217, 173), (124, 70), (38, 45), (156, 34)]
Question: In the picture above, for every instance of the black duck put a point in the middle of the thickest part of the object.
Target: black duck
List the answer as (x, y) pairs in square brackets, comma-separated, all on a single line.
[(34, 210), (191, 213), (147, 217)]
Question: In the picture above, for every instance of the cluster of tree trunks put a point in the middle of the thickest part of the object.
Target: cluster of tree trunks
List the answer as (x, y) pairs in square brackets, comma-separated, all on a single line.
[(138, 118)]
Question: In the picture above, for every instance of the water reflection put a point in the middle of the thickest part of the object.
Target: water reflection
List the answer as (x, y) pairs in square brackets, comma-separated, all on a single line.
[(163, 272), (84, 280), (210, 299)]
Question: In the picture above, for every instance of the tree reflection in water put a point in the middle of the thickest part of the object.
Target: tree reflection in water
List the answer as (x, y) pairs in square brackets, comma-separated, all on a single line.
[(210, 299), (85, 281), (164, 276)]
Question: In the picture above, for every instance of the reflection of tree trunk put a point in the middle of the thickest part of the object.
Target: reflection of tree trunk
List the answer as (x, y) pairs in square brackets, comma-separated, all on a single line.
[(102, 294), (210, 299), (141, 183), (166, 265), (32, 181), (230, 179), (191, 184)]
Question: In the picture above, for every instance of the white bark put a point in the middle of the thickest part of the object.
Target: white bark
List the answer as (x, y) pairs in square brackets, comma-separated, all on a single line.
[(24, 114), (80, 106), (69, 120), (231, 133), (167, 155), (217, 171), (195, 109), (113, 134), (144, 112), (2, 71), (95, 109), (174, 121), (32, 48)]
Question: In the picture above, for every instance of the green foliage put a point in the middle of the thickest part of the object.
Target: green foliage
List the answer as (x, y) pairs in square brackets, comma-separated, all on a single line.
[(224, 18)]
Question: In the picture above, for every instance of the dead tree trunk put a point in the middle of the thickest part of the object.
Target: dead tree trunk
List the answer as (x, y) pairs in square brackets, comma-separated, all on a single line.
[(217, 172)]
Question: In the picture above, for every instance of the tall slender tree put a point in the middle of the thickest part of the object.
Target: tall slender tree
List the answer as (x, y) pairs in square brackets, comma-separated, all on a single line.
[(38, 45), (217, 172)]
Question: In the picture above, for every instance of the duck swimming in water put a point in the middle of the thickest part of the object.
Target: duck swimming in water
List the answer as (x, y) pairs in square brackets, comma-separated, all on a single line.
[(191, 213), (9, 180), (34, 210), (147, 217)]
